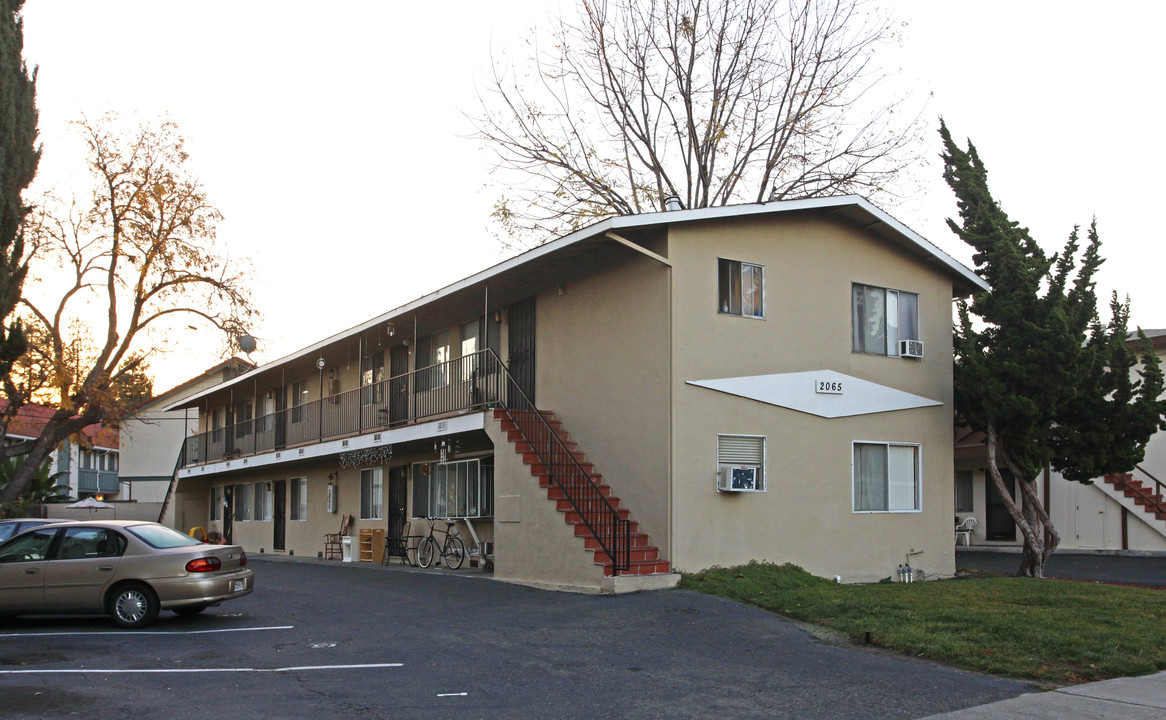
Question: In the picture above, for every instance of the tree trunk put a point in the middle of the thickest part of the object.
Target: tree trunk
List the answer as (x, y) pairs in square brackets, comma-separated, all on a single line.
[(1031, 519)]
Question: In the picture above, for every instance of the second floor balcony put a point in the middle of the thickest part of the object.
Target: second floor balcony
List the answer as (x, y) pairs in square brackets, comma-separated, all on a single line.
[(470, 383), (97, 481)]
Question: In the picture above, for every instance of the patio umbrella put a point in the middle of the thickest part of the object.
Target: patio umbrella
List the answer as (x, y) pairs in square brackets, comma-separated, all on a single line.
[(93, 505)]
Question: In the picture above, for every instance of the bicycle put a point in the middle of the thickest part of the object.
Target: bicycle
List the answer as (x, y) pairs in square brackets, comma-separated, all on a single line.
[(452, 551)]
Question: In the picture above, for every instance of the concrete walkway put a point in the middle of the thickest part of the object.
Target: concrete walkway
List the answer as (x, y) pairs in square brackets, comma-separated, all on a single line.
[(1119, 699)]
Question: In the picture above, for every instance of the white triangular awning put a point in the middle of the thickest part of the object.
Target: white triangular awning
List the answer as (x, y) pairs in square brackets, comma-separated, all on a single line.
[(824, 393)]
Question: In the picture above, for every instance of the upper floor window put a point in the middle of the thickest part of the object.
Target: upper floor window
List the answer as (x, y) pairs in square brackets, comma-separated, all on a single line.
[(882, 318), (740, 288), (372, 377), (299, 398), (432, 356)]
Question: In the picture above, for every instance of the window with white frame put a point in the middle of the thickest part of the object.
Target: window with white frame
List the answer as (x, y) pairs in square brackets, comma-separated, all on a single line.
[(299, 498), (880, 318), (263, 501), (299, 399), (886, 477), (433, 352), (464, 488), (740, 288), (216, 513), (372, 378), (741, 463), (371, 494), (243, 414), (470, 333), (242, 502)]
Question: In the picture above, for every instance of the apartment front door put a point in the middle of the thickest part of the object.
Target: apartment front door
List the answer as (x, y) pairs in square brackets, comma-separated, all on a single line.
[(398, 497), (520, 316), (279, 515), (228, 513), (398, 384), (998, 523)]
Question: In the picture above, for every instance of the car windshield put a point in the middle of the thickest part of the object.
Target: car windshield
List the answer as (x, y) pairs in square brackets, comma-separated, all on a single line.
[(160, 536)]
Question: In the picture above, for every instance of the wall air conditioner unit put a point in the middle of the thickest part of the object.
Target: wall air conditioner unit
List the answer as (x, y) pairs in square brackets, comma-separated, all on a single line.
[(735, 478), (911, 348), (332, 500)]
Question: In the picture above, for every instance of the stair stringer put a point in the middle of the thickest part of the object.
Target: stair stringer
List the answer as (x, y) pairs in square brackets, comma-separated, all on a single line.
[(1138, 511), (532, 544)]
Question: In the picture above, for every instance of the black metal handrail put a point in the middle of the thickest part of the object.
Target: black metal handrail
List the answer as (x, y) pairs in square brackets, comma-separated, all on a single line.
[(1155, 499), (474, 382), (563, 469), (441, 389)]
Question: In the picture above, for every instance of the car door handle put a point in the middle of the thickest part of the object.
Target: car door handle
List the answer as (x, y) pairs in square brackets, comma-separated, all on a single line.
[(31, 571), (105, 568)]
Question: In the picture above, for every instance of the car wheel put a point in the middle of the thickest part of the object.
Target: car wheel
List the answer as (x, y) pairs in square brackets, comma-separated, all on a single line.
[(190, 610), (133, 606)]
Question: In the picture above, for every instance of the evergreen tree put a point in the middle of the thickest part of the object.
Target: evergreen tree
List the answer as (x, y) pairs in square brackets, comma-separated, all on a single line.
[(1037, 372), (19, 157)]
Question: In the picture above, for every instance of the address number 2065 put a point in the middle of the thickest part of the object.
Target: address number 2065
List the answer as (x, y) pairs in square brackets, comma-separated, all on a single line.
[(830, 387)]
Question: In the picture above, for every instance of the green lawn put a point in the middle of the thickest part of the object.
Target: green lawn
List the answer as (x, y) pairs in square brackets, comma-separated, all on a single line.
[(1053, 632)]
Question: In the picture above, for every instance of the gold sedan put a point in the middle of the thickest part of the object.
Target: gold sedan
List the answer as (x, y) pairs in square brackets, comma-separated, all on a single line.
[(125, 569)]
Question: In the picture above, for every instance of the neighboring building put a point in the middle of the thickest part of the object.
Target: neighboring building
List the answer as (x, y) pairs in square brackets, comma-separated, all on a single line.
[(90, 467), (757, 382), (152, 438), (1115, 513)]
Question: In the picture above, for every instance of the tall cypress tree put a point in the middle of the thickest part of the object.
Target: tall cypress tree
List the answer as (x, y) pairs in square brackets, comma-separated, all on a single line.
[(19, 157), (1037, 372)]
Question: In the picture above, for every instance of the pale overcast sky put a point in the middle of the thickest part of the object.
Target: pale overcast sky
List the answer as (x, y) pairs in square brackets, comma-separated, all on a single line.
[(332, 138)]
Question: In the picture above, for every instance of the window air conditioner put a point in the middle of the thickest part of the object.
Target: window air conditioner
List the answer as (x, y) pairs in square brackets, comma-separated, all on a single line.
[(331, 498), (734, 478), (911, 348)]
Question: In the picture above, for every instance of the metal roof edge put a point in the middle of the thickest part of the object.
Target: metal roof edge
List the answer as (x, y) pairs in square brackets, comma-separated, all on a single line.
[(620, 222)]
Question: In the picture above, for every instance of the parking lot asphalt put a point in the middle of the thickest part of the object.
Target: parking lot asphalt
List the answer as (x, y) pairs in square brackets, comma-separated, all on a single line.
[(1140, 570), (323, 640)]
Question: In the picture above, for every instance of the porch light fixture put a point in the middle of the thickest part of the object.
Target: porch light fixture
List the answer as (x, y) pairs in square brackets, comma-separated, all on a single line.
[(391, 329), (446, 448), (320, 364)]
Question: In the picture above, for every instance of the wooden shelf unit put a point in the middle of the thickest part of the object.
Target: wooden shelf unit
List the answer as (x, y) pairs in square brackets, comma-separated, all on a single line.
[(372, 544)]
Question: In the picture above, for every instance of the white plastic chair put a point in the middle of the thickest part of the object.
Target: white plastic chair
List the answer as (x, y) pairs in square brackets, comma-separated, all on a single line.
[(964, 530)]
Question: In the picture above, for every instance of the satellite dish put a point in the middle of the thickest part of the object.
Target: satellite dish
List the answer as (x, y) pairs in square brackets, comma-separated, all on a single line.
[(246, 343)]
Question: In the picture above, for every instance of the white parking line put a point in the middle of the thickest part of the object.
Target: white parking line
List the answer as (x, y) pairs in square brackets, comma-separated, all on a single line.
[(135, 633), (300, 668), (461, 694)]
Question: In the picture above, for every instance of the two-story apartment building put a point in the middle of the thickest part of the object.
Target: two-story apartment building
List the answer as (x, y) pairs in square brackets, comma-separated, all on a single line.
[(87, 464), (1115, 513), (662, 392)]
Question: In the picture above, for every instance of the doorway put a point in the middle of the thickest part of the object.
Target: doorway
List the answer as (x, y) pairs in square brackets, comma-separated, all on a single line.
[(279, 515), (398, 502), (521, 345), (228, 513), (998, 522)]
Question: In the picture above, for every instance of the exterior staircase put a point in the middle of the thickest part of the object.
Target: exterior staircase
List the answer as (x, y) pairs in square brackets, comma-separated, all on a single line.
[(1148, 497), (570, 491)]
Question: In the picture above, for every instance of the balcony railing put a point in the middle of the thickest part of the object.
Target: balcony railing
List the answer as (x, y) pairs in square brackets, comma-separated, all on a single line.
[(473, 382), (96, 481)]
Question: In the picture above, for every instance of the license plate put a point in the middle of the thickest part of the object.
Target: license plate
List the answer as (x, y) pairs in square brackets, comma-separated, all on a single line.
[(237, 585)]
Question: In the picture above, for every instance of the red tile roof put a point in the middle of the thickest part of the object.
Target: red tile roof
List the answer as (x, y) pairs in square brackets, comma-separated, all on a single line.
[(31, 419)]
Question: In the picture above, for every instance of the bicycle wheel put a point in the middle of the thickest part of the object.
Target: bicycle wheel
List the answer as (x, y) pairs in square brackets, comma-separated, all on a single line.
[(426, 550), (455, 553)]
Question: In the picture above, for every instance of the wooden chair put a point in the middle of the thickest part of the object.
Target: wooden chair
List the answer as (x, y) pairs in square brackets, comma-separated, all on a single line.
[(333, 545)]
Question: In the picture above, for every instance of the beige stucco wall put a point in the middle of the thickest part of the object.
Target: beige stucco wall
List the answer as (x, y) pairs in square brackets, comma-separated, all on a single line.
[(603, 369), (534, 545), (805, 515)]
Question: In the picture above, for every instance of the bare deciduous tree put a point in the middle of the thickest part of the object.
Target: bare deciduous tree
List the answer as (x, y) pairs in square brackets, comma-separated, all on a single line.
[(110, 277), (714, 101)]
